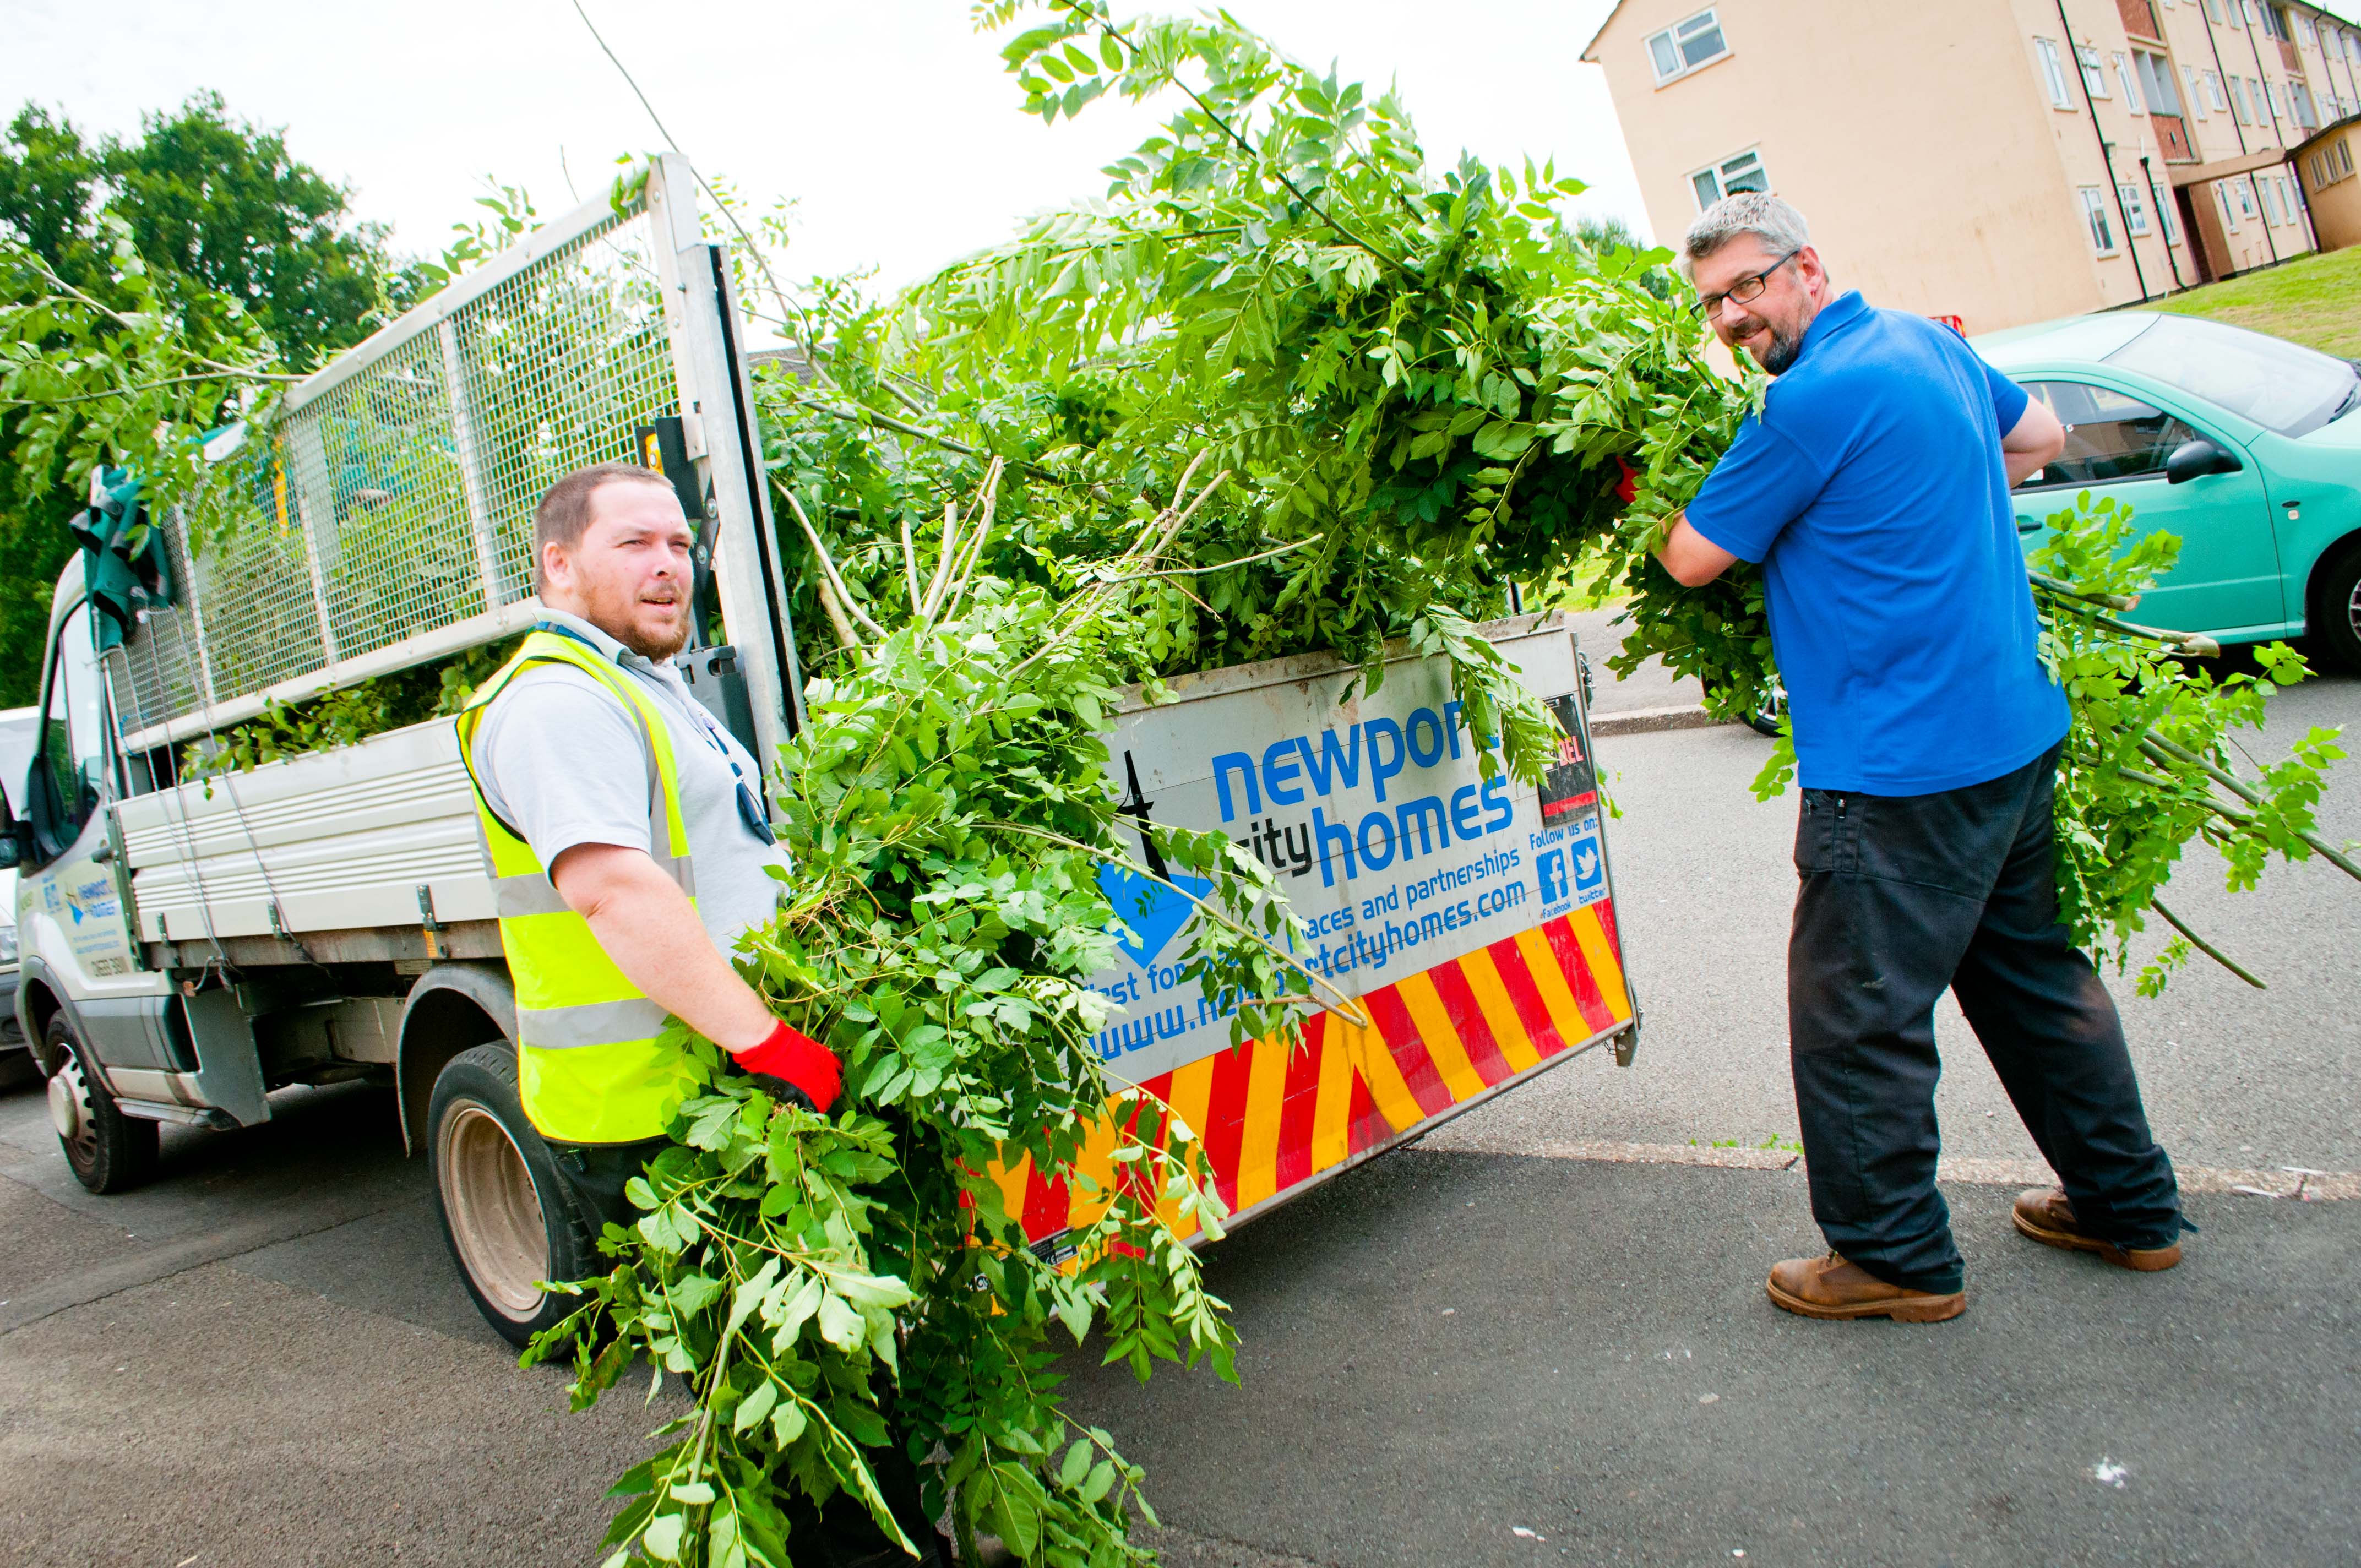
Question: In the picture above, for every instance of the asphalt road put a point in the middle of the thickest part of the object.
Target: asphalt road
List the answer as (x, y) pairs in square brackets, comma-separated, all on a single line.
[(264, 1357)]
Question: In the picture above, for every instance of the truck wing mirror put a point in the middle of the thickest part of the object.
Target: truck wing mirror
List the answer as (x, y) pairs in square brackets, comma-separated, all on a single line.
[(12, 837), (2195, 459)]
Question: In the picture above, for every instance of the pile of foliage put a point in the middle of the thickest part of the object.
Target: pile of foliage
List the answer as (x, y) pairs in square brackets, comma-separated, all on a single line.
[(949, 818), (438, 689), (1430, 389)]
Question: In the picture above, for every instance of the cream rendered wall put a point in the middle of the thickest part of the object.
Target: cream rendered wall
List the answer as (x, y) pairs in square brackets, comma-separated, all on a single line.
[(1915, 137)]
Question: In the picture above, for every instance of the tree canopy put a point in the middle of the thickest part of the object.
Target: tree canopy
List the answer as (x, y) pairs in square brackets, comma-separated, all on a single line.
[(237, 239)]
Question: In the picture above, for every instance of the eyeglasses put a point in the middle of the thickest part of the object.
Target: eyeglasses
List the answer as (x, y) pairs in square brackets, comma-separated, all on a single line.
[(1746, 291)]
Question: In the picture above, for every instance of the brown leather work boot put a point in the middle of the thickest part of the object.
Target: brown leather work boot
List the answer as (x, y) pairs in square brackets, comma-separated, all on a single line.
[(2045, 1215), (1831, 1288)]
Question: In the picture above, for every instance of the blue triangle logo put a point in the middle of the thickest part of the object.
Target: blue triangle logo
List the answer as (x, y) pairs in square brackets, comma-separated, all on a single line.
[(1154, 912)]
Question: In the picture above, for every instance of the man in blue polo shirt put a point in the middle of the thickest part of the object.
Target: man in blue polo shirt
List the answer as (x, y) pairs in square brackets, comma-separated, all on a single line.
[(1873, 492)]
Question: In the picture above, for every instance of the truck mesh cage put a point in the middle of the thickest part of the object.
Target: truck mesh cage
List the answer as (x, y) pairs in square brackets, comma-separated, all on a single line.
[(396, 501)]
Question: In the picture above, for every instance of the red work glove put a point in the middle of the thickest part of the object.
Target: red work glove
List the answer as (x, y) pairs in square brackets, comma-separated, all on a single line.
[(791, 1066), (1628, 486)]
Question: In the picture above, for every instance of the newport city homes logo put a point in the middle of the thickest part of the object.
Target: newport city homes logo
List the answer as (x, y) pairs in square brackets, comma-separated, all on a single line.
[(1154, 910)]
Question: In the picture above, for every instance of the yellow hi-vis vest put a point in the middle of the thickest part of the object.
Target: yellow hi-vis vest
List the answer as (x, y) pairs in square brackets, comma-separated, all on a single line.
[(590, 1068)]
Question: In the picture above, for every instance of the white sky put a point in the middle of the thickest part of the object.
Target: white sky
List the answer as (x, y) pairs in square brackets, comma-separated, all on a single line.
[(889, 122)]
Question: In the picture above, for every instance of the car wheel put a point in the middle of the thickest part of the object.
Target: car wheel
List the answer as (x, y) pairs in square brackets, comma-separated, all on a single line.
[(108, 1151), (2335, 620), (498, 1192)]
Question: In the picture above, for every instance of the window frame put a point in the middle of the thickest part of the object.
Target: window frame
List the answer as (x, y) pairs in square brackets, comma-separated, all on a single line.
[(2135, 207), (2196, 97), (1719, 171), (2053, 72), (2213, 80), (2094, 221), (2229, 209), (2095, 72), (2124, 68), (1672, 35)]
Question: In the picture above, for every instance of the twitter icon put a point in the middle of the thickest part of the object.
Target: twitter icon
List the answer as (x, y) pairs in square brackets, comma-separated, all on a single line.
[(1589, 867)]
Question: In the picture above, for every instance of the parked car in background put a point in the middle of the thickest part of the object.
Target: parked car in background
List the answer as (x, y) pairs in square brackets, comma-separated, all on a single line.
[(2246, 446), (17, 737)]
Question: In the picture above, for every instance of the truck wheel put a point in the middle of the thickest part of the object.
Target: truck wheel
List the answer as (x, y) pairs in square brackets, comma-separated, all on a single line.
[(109, 1151), (2335, 621), (502, 1204)]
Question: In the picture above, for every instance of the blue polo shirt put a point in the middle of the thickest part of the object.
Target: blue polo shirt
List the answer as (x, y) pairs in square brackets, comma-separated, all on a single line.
[(1871, 491)]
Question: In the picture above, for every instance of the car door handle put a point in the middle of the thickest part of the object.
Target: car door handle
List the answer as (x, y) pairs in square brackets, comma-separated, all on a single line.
[(2029, 524)]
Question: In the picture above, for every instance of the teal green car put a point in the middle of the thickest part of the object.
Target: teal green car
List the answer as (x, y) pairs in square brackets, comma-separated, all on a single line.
[(2246, 446)]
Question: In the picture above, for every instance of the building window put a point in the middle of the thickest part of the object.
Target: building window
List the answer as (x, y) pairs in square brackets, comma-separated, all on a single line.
[(2053, 71), (1686, 44), (2214, 10), (2164, 210), (2238, 100), (2196, 98), (2156, 75), (2131, 88), (2305, 114), (2094, 212), (2271, 208), (2344, 155), (2094, 77), (2135, 209), (1728, 178), (2303, 31), (2246, 190), (2213, 91)]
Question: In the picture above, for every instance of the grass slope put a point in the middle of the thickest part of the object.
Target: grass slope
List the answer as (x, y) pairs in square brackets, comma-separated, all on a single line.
[(2314, 300)]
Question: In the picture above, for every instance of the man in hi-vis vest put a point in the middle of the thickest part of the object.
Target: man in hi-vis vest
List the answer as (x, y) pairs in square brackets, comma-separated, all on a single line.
[(630, 845), (631, 849)]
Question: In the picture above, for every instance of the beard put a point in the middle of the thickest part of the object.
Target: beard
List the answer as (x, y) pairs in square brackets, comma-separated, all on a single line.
[(1782, 351), (620, 616), (658, 648)]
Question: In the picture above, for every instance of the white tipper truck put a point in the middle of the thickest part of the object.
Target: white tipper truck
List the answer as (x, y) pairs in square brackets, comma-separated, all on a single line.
[(189, 947)]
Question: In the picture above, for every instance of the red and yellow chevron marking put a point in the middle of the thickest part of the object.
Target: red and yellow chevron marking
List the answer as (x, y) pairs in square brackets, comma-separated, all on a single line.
[(1270, 1120)]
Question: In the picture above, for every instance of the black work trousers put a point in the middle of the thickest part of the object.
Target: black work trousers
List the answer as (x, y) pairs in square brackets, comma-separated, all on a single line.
[(840, 1534), (1902, 897)]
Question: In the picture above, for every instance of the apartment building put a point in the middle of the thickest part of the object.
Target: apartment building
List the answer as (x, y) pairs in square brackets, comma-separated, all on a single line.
[(1999, 161)]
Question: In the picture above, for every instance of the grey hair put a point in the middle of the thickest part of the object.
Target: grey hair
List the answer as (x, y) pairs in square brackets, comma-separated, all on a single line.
[(1779, 227)]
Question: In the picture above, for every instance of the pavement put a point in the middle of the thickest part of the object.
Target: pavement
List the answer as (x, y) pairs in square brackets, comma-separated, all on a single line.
[(264, 1356)]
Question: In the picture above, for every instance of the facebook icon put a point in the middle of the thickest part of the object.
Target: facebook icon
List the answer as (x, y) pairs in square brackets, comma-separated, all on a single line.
[(1549, 868)]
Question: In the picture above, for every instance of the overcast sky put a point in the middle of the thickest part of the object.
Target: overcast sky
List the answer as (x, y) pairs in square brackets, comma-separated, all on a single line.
[(890, 123)]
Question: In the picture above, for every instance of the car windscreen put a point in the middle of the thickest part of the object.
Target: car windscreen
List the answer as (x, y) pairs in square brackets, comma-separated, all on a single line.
[(2279, 385)]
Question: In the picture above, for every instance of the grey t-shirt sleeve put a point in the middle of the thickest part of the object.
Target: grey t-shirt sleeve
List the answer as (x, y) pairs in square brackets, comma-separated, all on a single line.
[(563, 764)]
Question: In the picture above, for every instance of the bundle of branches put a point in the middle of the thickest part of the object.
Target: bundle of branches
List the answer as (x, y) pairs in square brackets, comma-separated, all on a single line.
[(949, 818), (1430, 389)]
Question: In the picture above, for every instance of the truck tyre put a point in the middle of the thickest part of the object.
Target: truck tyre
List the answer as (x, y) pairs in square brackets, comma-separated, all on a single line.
[(109, 1151), (2335, 620), (503, 1206)]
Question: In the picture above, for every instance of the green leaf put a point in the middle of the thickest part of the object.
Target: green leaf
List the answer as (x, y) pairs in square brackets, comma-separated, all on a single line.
[(754, 1407), (661, 1540)]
